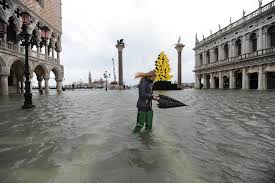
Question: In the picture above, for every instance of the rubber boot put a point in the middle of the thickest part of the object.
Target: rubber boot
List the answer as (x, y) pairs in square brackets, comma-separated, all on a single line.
[(149, 120), (141, 117)]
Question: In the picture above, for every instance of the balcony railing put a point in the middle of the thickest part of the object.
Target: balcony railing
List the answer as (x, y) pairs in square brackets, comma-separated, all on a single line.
[(13, 48), (239, 58), (240, 21)]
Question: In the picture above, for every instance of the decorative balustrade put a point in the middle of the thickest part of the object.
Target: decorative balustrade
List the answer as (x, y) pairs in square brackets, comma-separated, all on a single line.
[(263, 52), (13, 48), (240, 21)]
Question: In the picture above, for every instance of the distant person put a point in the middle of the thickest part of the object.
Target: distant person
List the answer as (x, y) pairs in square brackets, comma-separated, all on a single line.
[(144, 103)]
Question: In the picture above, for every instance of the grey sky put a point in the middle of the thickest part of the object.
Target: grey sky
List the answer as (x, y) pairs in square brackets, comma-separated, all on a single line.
[(91, 28)]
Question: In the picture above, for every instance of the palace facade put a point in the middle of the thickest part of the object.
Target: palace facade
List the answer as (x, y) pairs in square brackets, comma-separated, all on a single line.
[(241, 55), (44, 54)]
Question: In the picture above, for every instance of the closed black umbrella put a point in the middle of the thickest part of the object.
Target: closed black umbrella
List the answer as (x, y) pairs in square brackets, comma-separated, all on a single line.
[(168, 102)]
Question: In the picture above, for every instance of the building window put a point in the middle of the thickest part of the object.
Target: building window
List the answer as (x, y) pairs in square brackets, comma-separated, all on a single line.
[(41, 2), (226, 51), (271, 32), (11, 31), (200, 59), (207, 57), (216, 52), (253, 40), (239, 47)]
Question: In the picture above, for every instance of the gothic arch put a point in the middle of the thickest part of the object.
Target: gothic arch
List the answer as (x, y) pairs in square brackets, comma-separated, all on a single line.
[(58, 73), (20, 59), (41, 69)]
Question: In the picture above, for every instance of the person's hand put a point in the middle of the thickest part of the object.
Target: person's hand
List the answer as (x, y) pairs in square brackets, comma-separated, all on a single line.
[(156, 98)]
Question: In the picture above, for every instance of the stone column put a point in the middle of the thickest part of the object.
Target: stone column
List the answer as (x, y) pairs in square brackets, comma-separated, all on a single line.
[(46, 50), (247, 45), (229, 49), (39, 79), (38, 50), (120, 47), (18, 47), (220, 80), (231, 79), (46, 85), (4, 85), (244, 79), (220, 55), (233, 49), (260, 78), (243, 45), (204, 82), (212, 81), (58, 57), (52, 51), (179, 48), (197, 82), (59, 86), (260, 39)]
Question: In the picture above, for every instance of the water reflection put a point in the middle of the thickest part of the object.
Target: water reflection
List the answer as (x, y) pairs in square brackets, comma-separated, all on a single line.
[(86, 136)]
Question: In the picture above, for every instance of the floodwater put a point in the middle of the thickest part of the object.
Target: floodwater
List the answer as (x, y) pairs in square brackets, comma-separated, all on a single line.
[(84, 136)]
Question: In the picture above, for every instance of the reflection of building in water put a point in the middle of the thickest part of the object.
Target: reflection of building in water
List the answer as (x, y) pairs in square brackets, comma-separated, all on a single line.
[(241, 55), (44, 56)]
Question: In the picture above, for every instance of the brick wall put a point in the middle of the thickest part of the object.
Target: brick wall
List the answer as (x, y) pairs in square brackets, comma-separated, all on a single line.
[(49, 12)]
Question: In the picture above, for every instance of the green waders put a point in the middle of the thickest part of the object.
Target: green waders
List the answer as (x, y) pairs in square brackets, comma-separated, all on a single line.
[(142, 117)]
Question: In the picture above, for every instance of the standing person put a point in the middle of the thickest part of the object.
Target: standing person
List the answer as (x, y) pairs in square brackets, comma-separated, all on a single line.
[(144, 103)]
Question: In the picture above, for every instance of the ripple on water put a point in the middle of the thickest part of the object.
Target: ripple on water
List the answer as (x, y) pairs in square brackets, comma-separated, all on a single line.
[(85, 136)]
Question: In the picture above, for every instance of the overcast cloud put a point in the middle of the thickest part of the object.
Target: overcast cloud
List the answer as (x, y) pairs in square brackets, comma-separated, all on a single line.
[(91, 28)]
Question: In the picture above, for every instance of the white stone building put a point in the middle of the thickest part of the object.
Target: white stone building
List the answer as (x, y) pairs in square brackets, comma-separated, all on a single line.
[(44, 54), (241, 55)]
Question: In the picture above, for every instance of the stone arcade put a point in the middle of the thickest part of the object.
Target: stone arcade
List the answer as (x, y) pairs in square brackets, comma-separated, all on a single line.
[(241, 55), (44, 55)]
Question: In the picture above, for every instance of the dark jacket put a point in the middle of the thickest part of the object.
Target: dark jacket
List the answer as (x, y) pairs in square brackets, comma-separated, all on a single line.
[(145, 94)]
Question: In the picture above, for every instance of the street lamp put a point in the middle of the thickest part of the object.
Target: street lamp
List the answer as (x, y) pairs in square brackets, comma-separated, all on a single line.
[(25, 38), (45, 33), (106, 75)]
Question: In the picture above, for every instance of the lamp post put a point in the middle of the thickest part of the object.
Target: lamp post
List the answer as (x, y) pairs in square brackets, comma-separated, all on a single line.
[(25, 37), (106, 76)]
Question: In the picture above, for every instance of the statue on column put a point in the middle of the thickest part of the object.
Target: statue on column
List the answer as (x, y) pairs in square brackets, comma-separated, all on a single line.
[(179, 40), (244, 13), (120, 42), (260, 3)]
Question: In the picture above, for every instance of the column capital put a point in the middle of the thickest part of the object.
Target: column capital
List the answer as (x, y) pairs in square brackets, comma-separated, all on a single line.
[(58, 80), (120, 47), (179, 47)]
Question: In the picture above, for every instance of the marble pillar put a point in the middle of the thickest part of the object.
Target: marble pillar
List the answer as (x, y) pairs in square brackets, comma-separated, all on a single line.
[(4, 85), (46, 80), (179, 48), (260, 78), (212, 81)]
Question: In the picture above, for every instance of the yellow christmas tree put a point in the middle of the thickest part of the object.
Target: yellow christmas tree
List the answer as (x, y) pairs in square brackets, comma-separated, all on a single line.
[(163, 68)]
